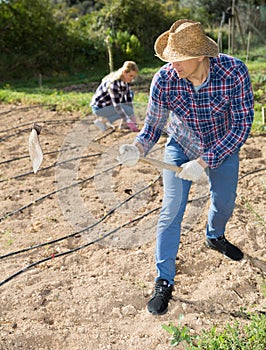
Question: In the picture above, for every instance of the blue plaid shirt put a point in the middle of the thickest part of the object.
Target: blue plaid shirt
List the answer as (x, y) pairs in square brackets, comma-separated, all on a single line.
[(113, 93), (213, 122)]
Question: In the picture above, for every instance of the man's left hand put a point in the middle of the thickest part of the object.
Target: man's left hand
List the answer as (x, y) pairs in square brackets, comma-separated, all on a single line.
[(192, 171)]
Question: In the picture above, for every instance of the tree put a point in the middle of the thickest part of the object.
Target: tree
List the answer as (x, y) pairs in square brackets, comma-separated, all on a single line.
[(141, 21), (33, 40)]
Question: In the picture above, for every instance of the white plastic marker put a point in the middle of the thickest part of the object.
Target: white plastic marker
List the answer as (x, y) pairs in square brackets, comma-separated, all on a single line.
[(157, 163), (35, 149)]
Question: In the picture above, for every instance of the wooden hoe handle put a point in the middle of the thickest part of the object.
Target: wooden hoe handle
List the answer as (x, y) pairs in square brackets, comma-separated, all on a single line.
[(157, 163), (160, 164)]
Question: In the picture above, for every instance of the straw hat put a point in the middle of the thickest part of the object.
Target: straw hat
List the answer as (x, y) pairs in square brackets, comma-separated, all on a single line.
[(185, 39)]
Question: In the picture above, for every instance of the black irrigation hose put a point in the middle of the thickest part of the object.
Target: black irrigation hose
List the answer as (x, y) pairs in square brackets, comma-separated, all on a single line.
[(53, 192), (251, 172), (52, 121), (8, 255), (49, 167), (18, 158), (53, 256), (52, 152), (111, 211), (4, 138), (82, 181), (28, 156), (27, 108), (23, 131)]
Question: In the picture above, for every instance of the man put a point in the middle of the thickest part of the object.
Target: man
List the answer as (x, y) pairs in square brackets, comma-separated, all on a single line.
[(206, 99)]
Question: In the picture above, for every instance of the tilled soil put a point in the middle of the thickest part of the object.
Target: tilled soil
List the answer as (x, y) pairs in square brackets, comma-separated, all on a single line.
[(89, 288)]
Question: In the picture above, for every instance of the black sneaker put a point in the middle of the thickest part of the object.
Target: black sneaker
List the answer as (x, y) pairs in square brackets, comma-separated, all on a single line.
[(162, 294), (226, 248)]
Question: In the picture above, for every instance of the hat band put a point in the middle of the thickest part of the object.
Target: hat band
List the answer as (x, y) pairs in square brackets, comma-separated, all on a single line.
[(168, 52)]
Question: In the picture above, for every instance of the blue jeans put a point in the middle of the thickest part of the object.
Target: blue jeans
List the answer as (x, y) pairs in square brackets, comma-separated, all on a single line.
[(110, 113), (223, 183)]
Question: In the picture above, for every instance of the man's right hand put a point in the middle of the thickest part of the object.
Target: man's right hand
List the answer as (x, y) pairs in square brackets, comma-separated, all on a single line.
[(129, 154)]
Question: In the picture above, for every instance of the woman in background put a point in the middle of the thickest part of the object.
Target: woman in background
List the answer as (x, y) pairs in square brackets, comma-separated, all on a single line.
[(113, 99)]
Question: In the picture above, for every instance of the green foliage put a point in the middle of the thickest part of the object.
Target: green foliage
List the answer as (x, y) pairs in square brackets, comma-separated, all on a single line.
[(257, 70), (45, 36), (33, 41), (210, 11), (233, 337), (61, 36), (259, 218), (143, 18), (179, 334), (131, 26), (127, 48), (28, 36), (7, 237)]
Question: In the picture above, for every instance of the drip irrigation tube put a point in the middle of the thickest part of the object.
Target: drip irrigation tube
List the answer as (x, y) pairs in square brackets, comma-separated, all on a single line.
[(111, 211), (4, 138), (55, 191), (49, 167), (23, 131), (53, 121), (251, 172), (28, 156), (53, 256), (27, 108)]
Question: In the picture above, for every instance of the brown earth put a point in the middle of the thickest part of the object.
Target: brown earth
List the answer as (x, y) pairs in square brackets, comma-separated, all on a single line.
[(95, 297)]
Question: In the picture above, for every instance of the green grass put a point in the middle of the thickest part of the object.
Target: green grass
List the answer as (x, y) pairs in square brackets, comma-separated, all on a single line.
[(251, 335), (255, 67), (70, 101), (50, 93), (7, 238)]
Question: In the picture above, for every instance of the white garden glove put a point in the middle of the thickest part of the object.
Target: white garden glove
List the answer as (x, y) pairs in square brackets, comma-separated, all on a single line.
[(192, 171), (129, 155)]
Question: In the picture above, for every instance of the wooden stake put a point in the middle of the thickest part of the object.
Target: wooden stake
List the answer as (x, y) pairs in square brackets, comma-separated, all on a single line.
[(263, 116), (240, 28), (233, 27), (248, 46)]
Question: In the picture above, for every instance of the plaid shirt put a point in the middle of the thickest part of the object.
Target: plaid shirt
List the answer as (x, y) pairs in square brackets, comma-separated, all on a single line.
[(216, 120), (113, 93)]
